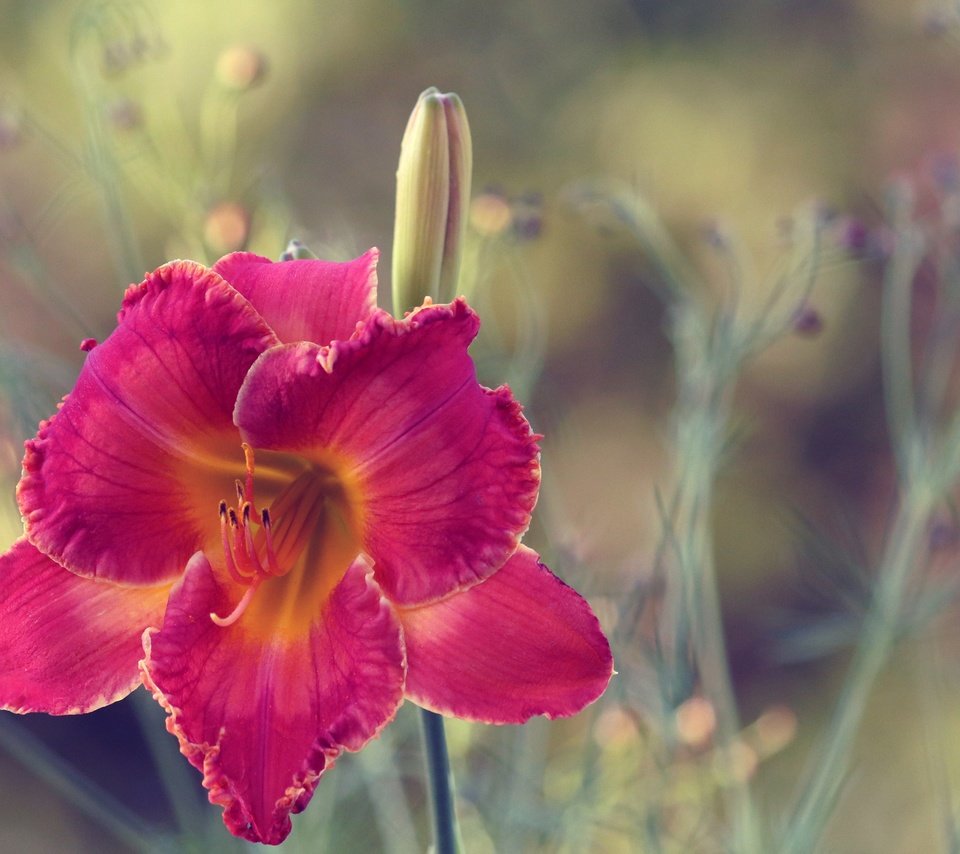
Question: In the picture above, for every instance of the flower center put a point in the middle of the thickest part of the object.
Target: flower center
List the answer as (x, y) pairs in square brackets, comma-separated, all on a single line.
[(301, 545)]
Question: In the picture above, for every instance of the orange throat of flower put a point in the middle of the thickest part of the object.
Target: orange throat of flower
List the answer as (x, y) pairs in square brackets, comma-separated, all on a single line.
[(290, 556)]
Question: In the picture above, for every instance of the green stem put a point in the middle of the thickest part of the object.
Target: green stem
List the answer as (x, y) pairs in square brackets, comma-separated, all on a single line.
[(699, 437), (445, 830), (829, 771)]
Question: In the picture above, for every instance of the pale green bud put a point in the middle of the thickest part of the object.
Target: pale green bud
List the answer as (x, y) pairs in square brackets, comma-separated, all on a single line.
[(433, 192), (296, 251)]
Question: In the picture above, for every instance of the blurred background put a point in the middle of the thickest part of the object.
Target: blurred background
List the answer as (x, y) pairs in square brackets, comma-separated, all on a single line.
[(132, 133)]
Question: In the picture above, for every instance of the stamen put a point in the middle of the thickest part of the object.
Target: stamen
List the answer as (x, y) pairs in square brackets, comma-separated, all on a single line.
[(251, 557), (272, 563), (244, 564), (237, 612), (235, 573), (248, 541)]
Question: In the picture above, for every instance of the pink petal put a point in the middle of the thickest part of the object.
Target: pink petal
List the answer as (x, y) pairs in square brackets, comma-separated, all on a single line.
[(445, 472), (68, 644), (263, 714), (520, 644), (303, 300), (116, 484)]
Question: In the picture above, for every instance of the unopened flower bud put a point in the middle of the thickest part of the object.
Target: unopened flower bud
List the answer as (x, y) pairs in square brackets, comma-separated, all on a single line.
[(853, 236), (226, 227), (240, 68), (490, 214), (433, 192), (807, 321), (296, 251), (124, 114)]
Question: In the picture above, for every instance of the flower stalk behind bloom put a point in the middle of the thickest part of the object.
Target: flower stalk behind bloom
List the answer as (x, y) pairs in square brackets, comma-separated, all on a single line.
[(433, 191)]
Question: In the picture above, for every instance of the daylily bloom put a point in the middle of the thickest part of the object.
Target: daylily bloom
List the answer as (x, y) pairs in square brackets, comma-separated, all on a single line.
[(307, 510)]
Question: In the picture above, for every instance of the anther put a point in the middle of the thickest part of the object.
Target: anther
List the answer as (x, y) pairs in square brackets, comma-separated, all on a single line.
[(248, 542), (235, 573), (272, 563)]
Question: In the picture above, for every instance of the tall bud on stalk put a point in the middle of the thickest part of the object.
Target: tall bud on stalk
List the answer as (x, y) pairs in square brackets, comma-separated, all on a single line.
[(433, 192)]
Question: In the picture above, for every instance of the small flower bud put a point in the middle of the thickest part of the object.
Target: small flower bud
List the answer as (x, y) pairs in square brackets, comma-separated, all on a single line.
[(528, 216), (296, 251), (240, 68), (490, 214), (852, 236), (433, 192), (696, 721), (226, 227), (124, 114), (807, 321)]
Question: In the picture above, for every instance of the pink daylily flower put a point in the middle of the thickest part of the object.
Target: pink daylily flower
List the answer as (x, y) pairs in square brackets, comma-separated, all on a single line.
[(286, 511)]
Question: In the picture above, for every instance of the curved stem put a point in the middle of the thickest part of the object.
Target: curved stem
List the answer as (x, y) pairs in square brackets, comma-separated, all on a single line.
[(440, 778)]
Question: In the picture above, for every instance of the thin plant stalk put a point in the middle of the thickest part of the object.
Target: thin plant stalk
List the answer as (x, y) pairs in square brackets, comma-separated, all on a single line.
[(925, 476), (695, 601), (446, 833), (877, 639), (100, 158)]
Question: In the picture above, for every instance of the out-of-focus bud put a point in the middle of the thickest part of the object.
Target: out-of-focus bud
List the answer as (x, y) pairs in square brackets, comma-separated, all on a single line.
[(852, 236), (296, 251), (226, 227), (490, 213), (124, 114), (240, 68), (807, 321), (433, 194)]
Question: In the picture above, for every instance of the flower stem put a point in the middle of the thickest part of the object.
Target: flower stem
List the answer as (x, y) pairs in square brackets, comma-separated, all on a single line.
[(702, 421), (445, 830), (829, 772)]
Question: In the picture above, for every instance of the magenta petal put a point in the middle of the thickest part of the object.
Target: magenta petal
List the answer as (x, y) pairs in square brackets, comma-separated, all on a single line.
[(68, 644), (107, 482), (306, 300), (445, 472), (263, 714), (520, 644)]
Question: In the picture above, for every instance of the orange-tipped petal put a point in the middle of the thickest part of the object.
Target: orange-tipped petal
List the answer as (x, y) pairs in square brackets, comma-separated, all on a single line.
[(68, 644), (522, 643), (264, 715)]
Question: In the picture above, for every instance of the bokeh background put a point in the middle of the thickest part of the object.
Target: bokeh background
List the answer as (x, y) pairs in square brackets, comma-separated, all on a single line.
[(132, 133)]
